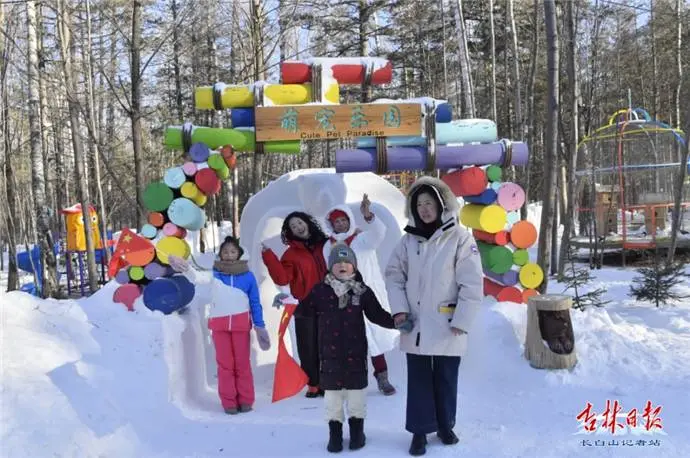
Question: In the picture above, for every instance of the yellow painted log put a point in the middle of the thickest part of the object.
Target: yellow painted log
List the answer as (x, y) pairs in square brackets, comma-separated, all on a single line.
[(278, 94), (531, 275), (487, 218), (172, 246), (189, 190)]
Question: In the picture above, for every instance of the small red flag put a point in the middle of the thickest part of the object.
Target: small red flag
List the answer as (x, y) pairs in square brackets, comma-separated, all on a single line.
[(131, 249), (289, 378)]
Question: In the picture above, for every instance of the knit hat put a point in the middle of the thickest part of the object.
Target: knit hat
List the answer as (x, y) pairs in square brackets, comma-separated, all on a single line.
[(335, 214), (341, 253)]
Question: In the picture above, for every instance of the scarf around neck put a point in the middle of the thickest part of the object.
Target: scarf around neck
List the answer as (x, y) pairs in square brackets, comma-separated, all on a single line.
[(231, 267), (342, 287)]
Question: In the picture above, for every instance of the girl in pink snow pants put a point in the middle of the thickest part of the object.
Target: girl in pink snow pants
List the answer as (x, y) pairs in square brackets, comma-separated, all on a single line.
[(235, 309)]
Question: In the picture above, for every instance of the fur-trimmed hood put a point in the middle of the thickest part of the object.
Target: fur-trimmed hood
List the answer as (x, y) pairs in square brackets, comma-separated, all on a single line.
[(328, 227), (444, 193)]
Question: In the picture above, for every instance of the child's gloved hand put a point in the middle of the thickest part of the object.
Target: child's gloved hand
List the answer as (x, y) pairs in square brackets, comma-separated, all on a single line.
[(278, 300), (178, 264), (404, 322), (264, 339)]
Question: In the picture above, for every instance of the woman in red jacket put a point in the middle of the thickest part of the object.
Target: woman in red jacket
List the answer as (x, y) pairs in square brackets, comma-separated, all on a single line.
[(302, 266)]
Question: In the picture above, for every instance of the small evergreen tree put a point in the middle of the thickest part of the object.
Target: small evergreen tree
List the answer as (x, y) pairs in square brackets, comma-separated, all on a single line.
[(575, 277), (657, 282)]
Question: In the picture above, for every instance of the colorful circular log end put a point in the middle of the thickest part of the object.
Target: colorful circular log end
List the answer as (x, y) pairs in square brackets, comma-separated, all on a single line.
[(189, 190), (523, 234), (511, 196), (154, 270), (229, 155), (531, 275), (200, 199), (494, 173), (127, 294), (509, 294), (207, 181), (185, 213), (172, 230), (172, 246), (141, 256), (122, 277), (157, 196), (156, 219), (149, 231), (489, 218), (520, 257), (527, 293), (470, 181), (199, 152), (136, 273), (500, 238), (497, 259), (174, 177), (189, 168)]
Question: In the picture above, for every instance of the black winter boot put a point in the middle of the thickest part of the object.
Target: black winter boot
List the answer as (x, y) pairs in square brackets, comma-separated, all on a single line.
[(418, 445), (448, 437), (335, 439), (357, 437)]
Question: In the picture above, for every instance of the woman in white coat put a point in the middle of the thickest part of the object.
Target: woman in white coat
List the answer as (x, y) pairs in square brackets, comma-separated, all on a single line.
[(340, 227), (435, 288)]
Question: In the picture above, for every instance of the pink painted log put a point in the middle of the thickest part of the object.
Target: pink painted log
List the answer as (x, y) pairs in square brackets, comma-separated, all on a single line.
[(127, 294)]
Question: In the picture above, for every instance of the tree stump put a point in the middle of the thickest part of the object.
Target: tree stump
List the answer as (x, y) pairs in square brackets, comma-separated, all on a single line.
[(550, 343)]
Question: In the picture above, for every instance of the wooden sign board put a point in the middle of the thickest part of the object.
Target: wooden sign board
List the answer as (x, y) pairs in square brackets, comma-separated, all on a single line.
[(330, 122)]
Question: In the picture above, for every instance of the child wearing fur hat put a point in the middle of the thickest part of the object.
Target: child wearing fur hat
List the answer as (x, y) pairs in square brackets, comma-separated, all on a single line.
[(340, 304), (235, 309)]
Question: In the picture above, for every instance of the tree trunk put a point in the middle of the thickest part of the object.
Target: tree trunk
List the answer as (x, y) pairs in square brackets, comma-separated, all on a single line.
[(531, 118), (48, 163), (50, 287), (679, 63), (176, 61), (12, 211), (551, 142), (494, 107), (464, 58), (135, 109), (259, 74), (572, 197), (519, 124), (67, 52), (363, 27)]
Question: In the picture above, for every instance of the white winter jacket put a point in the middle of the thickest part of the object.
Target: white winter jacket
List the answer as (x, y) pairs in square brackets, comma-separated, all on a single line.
[(439, 281), (364, 244)]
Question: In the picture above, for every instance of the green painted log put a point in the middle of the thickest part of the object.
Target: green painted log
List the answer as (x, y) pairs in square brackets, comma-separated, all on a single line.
[(136, 273), (494, 173), (217, 163), (241, 140), (157, 196), (497, 259), (520, 257)]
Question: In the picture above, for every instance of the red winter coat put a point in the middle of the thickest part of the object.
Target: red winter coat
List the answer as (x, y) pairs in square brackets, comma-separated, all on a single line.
[(300, 267)]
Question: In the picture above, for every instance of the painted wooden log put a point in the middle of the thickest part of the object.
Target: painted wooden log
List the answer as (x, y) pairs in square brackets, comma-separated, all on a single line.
[(527, 293), (173, 230), (500, 238), (141, 256), (496, 185), (186, 288), (189, 190), (207, 181), (157, 196), (136, 273), (149, 231), (502, 293), (509, 278), (122, 276), (127, 294), (154, 270), (174, 177), (274, 94), (217, 163), (242, 117), (520, 257), (469, 181), (156, 219), (494, 173), (293, 72), (241, 140), (229, 156), (200, 199), (189, 168), (549, 340), (487, 197), (455, 132), (172, 246), (185, 213), (489, 218), (163, 295), (199, 152), (405, 158), (531, 275), (511, 196), (512, 217), (523, 234), (497, 259)]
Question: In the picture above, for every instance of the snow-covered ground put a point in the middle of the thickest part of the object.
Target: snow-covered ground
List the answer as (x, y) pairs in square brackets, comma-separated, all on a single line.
[(85, 378)]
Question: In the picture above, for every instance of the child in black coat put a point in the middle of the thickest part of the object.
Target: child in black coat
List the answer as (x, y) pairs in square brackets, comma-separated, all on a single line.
[(340, 303)]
